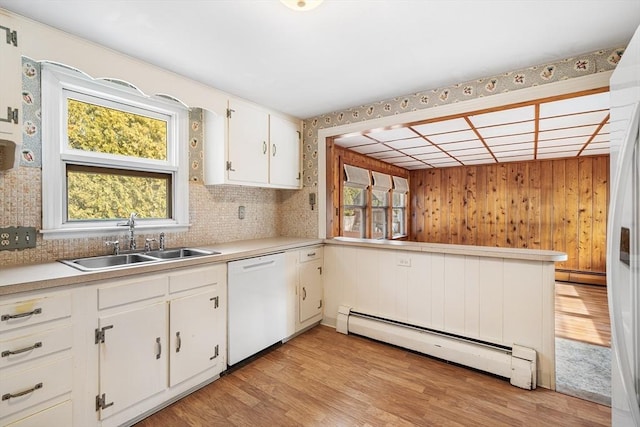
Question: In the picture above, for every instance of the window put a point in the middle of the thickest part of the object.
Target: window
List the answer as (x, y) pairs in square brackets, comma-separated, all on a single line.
[(108, 151), (354, 201), (380, 205), (373, 204)]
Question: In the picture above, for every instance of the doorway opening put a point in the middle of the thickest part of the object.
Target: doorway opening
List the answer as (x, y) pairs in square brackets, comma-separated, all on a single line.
[(583, 342)]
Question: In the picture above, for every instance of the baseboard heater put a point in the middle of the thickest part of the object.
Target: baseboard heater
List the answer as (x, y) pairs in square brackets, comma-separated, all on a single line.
[(516, 363)]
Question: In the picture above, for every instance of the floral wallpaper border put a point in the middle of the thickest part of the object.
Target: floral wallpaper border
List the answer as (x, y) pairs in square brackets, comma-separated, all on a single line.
[(578, 66)]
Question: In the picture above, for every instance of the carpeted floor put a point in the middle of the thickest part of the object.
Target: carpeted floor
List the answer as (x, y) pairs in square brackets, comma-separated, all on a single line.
[(583, 370)]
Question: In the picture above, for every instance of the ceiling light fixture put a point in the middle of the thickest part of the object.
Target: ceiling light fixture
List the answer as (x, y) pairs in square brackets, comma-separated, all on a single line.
[(302, 5)]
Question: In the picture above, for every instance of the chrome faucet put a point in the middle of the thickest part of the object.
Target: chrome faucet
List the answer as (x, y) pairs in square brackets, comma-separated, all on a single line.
[(116, 246), (131, 223), (147, 244)]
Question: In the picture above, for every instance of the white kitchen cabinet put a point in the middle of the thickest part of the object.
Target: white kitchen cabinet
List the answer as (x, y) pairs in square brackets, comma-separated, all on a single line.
[(158, 336), (197, 329), (259, 148), (284, 163), (11, 81), (133, 357), (248, 153), (304, 273), (36, 357)]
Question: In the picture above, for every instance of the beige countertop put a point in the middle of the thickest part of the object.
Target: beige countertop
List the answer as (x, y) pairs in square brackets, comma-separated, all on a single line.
[(478, 251), (23, 278)]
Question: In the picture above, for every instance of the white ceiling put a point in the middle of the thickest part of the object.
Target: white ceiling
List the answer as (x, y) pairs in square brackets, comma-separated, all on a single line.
[(558, 128), (345, 52)]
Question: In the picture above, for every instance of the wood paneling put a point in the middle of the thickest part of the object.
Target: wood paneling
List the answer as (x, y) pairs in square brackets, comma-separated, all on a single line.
[(324, 378), (545, 204)]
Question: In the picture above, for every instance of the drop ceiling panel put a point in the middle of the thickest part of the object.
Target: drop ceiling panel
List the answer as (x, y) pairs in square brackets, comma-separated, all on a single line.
[(352, 140), (512, 115), (385, 154), (408, 143), (371, 148), (593, 118), (512, 129), (567, 133), (466, 145), (558, 154), (512, 153), (478, 150), (426, 149), (445, 164), (445, 126), (512, 139), (392, 134), (432, 157), (504, 148), (479, 161), (599, 101), (515, 159), (444, 138)]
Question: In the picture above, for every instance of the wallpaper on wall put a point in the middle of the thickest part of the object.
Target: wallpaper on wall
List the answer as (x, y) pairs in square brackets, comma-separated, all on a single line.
[(595, 62)]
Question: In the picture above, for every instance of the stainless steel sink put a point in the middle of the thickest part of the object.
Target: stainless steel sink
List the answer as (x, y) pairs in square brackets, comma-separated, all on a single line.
[(108, 261), (179, 253)]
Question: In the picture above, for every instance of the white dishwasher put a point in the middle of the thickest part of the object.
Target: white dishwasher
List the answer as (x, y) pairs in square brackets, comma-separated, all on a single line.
[(257, 305)]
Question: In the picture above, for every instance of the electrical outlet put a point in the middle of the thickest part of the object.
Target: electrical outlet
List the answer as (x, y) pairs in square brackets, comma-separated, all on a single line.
[(12, 238), (404, 261)]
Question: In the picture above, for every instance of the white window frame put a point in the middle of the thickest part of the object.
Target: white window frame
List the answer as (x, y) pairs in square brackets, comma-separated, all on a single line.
[(60, 83)]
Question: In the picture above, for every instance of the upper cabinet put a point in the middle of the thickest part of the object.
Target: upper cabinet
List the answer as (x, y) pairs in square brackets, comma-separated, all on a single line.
[(10, 85), (258, 149)]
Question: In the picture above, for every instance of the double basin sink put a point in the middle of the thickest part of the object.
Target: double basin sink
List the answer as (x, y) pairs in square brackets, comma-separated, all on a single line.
[(107, 262)]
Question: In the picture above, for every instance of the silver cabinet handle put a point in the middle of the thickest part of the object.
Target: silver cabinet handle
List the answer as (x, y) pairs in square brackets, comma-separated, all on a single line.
[(274, 150), (304, 293), (7, 353), (311, 254), (178, 342), (264, 147), (8, 396), (159, 353), (18, 316)]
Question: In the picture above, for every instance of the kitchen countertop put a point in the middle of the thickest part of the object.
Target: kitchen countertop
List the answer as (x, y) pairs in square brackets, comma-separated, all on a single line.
[(23, 278), (442, 248)]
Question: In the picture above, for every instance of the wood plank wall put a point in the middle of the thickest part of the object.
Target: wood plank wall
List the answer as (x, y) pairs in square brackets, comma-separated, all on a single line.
[(544, 204)]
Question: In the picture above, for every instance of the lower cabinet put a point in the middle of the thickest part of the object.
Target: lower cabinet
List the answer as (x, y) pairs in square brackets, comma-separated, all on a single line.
[(158, 337), (133, 362), (305, 273)]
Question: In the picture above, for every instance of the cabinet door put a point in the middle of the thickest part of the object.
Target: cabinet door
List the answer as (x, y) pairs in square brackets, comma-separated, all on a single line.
[(193, 330), (11, 81), (133, 357), (284, 168), (248, 144), (310, 294)]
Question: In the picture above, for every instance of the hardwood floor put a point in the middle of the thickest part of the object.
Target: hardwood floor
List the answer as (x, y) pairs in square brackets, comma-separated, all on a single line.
[(582, 313), (323, 378)]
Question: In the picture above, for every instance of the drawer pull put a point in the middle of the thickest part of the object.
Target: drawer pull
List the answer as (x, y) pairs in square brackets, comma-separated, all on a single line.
[(311, 254), (18, 316), (304, 293), (22, 393), (178, 342), (7, 353), (159, 353)]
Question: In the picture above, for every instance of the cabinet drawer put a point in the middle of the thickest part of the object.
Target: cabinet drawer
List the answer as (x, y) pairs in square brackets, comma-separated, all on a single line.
[(22, 389), (132, 291), (29, 347), (59, 415), (311, 254), (33, 311), (197, 278)]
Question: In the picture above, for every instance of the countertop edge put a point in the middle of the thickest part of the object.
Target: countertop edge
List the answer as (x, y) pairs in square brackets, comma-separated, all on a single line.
[(25, 278), (467, 250)]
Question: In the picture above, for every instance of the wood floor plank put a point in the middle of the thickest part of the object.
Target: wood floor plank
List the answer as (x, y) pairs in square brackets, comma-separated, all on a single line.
[(582, 313), (323, 378)]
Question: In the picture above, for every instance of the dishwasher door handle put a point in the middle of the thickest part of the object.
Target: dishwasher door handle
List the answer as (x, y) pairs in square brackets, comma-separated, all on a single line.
[(257, 265)]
